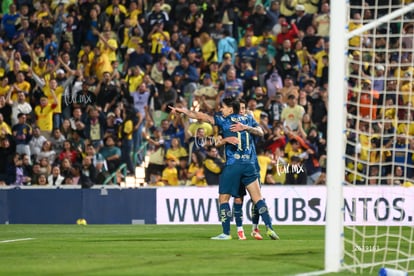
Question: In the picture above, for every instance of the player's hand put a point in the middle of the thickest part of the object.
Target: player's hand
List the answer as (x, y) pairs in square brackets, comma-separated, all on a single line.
[(238, 127), (231, 140)]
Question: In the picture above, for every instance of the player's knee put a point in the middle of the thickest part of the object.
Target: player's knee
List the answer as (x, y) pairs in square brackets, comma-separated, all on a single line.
[(238, 200)]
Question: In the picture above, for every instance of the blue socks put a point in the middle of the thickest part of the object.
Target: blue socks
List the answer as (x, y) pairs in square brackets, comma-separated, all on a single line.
[(238, 214), (225, 217), (264, 213)]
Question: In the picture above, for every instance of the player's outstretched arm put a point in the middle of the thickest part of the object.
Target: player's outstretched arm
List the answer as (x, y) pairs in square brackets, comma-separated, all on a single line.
[(193, 114), (257, 131)]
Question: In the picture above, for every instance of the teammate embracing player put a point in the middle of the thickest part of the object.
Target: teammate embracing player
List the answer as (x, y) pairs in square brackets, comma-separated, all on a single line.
[(241, 158)]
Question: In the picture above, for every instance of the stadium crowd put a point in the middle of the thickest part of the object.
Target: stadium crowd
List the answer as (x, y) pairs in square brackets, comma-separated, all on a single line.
[(86, 83)]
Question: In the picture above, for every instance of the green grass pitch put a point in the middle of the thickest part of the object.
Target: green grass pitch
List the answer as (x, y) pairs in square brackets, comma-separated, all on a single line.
[(156, 250)]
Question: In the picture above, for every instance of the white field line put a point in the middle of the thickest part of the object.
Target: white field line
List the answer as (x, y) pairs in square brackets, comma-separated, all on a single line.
[(17, 240)]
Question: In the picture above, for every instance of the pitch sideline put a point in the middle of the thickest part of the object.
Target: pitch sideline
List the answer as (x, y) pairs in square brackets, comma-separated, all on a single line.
[(17, 240)]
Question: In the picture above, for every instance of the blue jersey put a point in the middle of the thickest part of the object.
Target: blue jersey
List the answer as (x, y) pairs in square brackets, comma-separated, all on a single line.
[(244, 151)]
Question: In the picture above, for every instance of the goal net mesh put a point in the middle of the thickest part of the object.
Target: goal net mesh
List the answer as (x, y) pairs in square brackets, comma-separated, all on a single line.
[(380, 137)]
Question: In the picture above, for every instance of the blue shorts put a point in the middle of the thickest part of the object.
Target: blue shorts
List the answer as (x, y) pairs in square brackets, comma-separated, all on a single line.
[(242, 188), (236, 175)]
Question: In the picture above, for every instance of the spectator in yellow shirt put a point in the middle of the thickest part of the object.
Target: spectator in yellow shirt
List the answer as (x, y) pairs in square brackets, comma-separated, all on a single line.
[(158, 38), (116, 3), (177, 149), (264, 162), (44, 115), (107, 44), (196, 170), (4, 86), (4, 127), (125, 135), (21, 85), (208, 48), (170, 173), (193, 127), (100, 64)]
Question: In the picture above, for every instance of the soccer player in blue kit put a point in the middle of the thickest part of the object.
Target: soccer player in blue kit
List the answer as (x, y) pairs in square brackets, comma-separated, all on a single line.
[(240, 161), (238, 201)]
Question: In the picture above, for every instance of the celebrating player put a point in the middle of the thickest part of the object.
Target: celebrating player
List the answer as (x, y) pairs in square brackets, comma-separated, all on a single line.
[(238, 201), (240, 161)]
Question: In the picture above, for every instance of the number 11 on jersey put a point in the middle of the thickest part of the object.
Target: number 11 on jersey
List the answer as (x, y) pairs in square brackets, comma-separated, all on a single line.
[(246, 141)]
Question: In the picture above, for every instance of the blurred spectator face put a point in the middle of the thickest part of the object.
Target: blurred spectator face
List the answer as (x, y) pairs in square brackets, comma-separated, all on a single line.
[(87, 161), (36, 132), (53, 84), (259, 91), (36, 168), (77, 113), (4, 81), (252, 104), (207, 81), (107, 77), (274, 5), (93, 13), (142, 88), (5, 143), (42, 179), (90, 150), (97, 51), (184, 62), (175, 143), (24, 10), (287, 44), (165, 124), (213, 152), (43, 101), (66, 163), (199, 22), (109, 142), (133, 6), (231, 74), (197, 43), (94, 113), (295, 145), (157, 7), (20, 77), (22, 119), (26, 160), (248, 41), (55, 171), (167, 84), (57, 133), (201, 133), (115, 10), (67, 145), (12, 9), (46, 146), (291, 101)]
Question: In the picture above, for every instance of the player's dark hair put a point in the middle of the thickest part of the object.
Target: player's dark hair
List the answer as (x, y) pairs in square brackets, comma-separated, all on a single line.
[(231, 102)]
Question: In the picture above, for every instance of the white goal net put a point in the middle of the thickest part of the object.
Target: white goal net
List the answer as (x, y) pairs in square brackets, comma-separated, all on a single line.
[(379, 134)]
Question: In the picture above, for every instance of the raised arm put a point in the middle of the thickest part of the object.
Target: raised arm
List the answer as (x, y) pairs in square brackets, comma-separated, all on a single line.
[(193, 114), (40, 82)]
